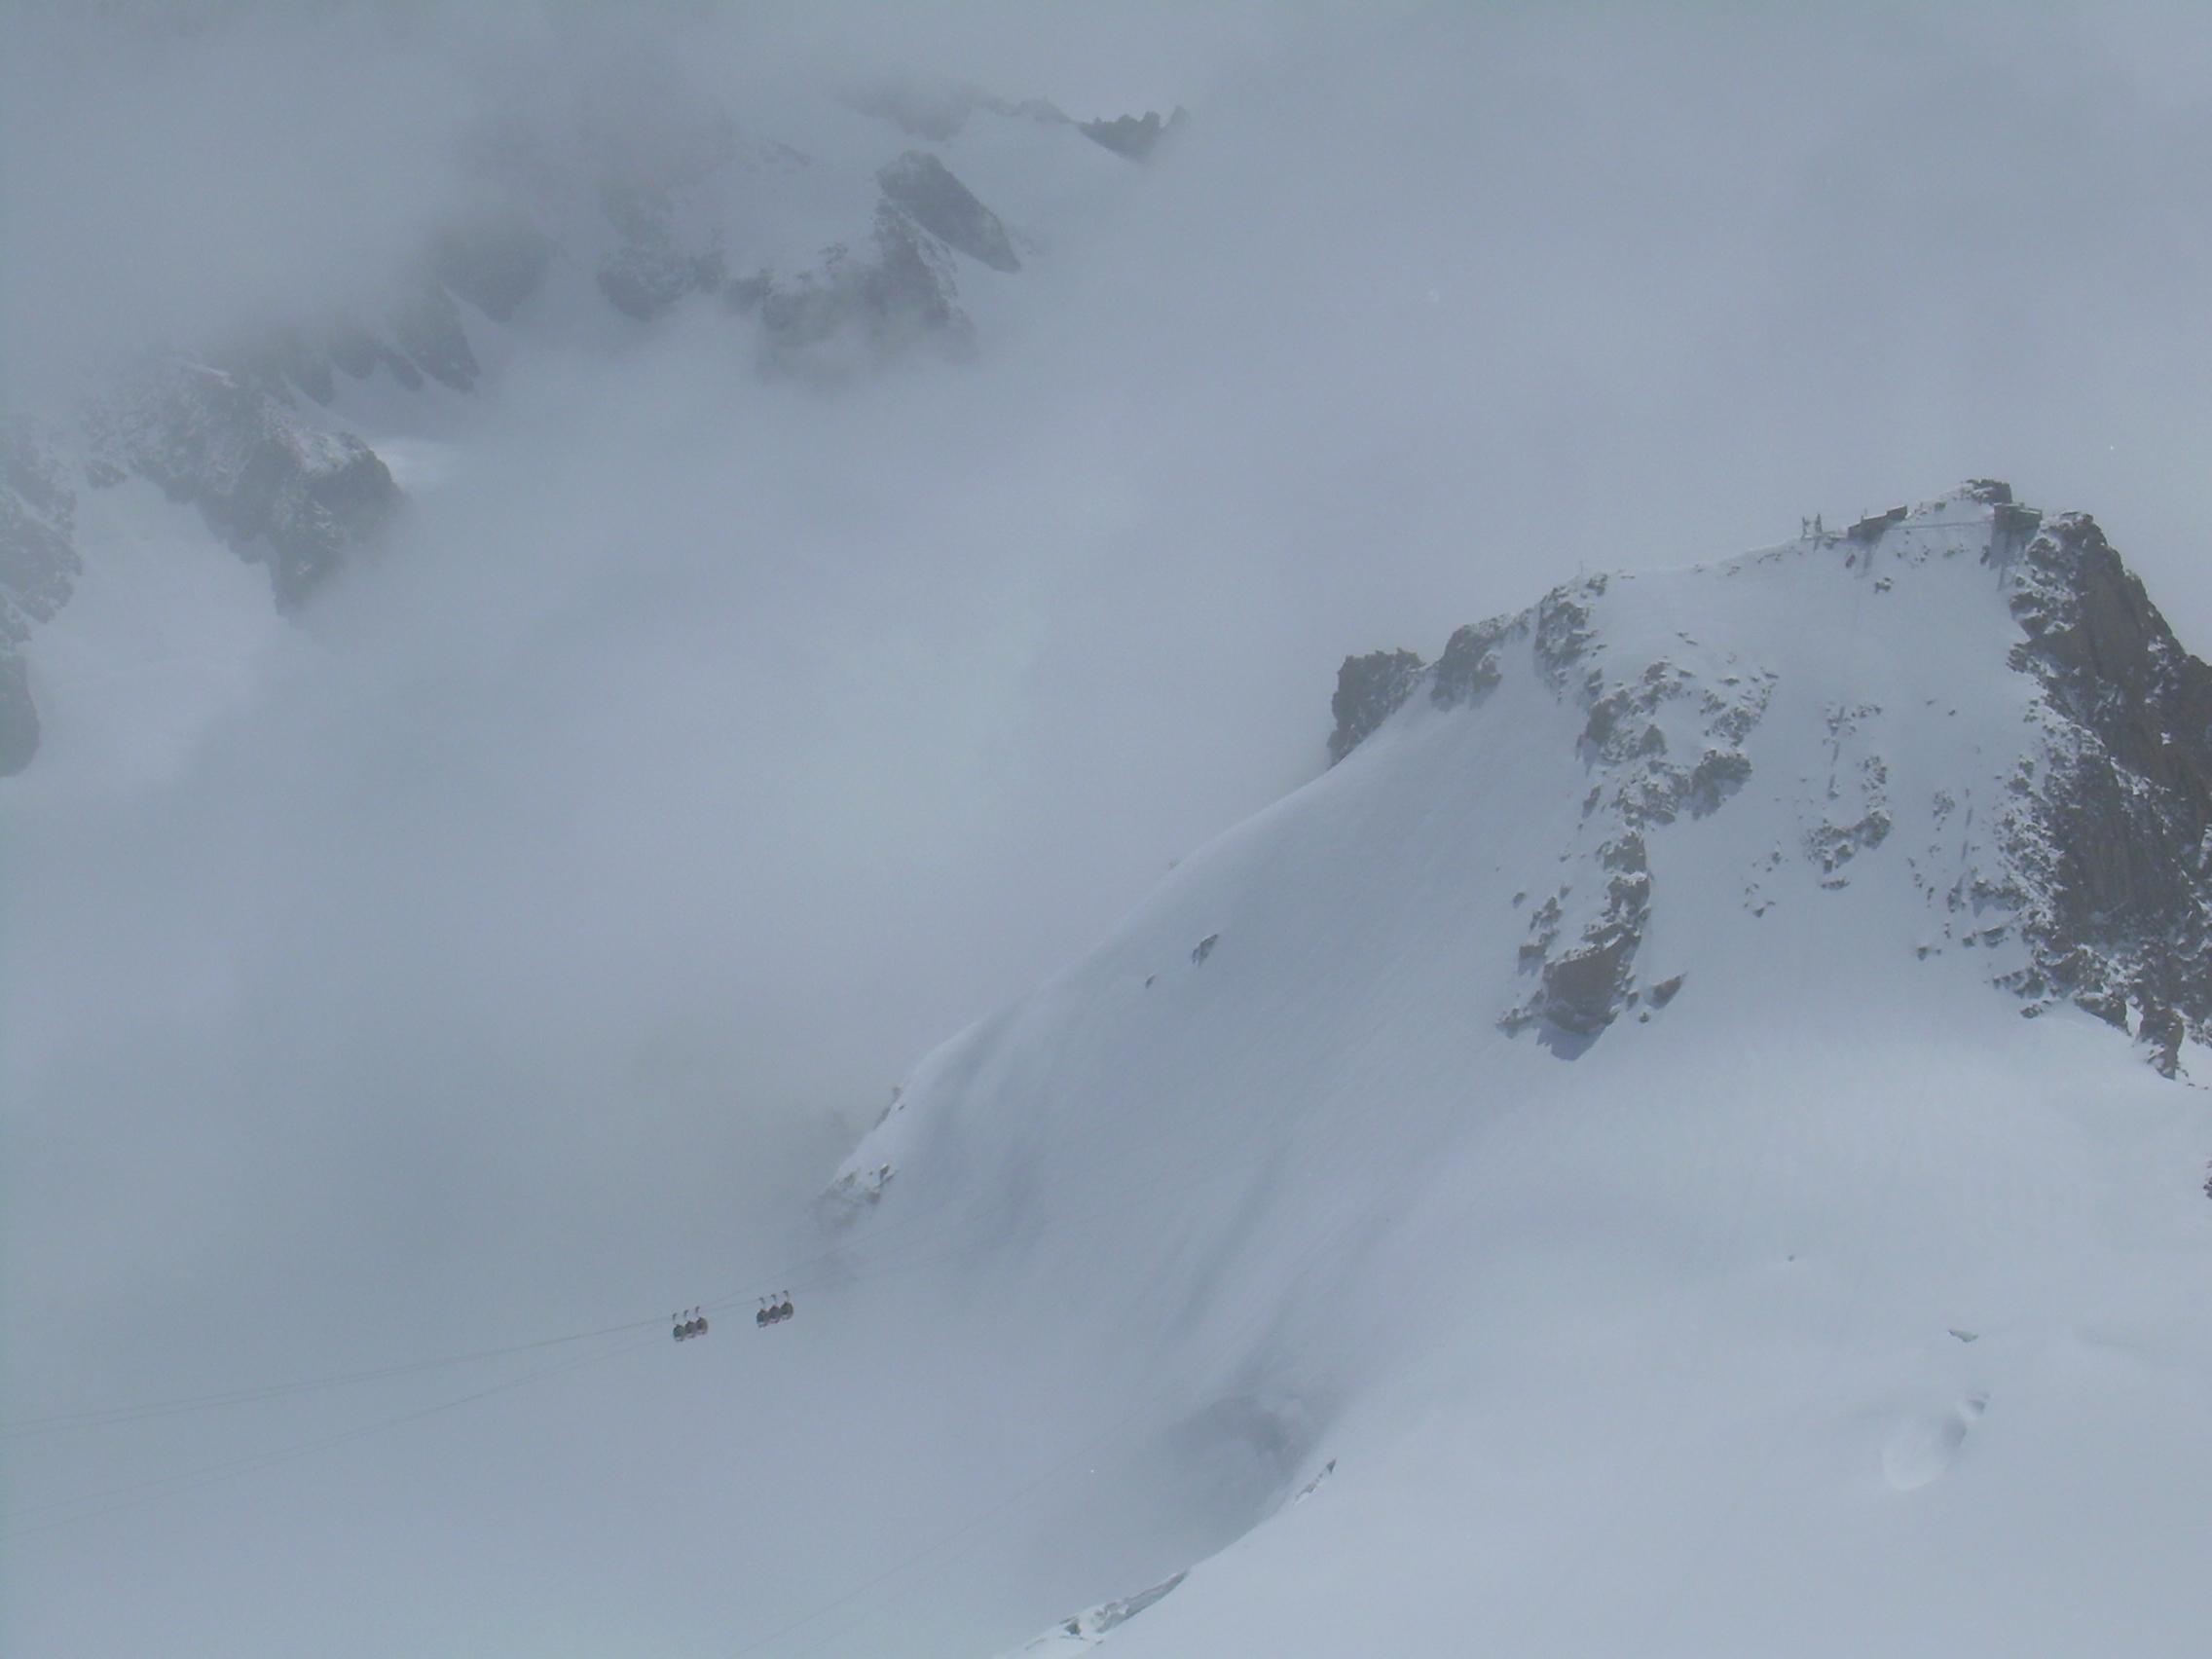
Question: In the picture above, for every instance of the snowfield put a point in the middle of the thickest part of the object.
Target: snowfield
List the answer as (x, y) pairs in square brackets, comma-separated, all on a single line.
[(1624, 1157)]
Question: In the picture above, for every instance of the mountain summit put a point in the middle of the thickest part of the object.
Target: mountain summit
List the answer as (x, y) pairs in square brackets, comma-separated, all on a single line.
[(1595, 1119), (2089, 761)]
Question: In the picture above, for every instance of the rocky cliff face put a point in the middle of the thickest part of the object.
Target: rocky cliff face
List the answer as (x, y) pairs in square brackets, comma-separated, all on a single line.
[(2093, 857), (2110, 855), (284, 491)]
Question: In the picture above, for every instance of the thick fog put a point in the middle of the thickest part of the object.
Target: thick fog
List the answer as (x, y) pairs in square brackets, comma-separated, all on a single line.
[(511, 943)]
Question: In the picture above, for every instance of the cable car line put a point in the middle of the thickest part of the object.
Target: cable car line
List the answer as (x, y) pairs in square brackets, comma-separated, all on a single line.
[(794, 1273), (1105, 1206)]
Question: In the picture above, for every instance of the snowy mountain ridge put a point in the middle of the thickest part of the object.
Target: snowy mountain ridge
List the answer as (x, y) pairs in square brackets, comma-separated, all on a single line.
[(630, 204), (1598, 1112), (2094, 839)]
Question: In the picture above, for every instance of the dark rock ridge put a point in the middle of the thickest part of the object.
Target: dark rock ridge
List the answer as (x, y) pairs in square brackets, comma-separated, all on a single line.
[(2112, 864), (2100, 859), (924, 187), (1133, 136), (1580, 949), (282, 491), (1369, 691), (906, 295)]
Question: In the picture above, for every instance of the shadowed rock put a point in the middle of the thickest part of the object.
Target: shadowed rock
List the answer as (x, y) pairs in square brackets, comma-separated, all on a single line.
[(924, 187), (281, 492), (1469, 667), (1369, 691), (428, 328), (878, 308), (1133, 136), (2112, 853)]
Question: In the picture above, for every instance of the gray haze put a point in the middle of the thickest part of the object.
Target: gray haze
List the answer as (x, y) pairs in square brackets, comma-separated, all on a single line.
[(512, 944)]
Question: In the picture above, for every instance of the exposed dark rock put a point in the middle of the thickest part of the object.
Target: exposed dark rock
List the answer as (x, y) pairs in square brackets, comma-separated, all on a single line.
[(924, 187), (1584, 990), (1831, 847), (1130, 135), (886, 305), (2110, 850), (427, 327), (1469, 667), (1369, 691), (1623, 734), (1718, 775), (1203, 948), (1563, 629), (495, 262), (1666, 990), (280, 491)]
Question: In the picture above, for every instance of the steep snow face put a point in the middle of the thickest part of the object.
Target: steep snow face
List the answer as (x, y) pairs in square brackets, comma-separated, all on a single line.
[(1599, 1116)]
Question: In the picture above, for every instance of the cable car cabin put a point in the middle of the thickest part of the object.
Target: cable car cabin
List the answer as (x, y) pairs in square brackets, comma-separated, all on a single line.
[(773, 1310), (688, 1326)]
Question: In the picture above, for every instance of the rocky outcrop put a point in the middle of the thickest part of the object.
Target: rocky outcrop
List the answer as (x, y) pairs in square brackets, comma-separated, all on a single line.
[(924, 188), (1660, 740), (2111, 846), (284, 493), (1369, 691), (1130, 135), (1582, 990), (883, 305), (1469, 668)]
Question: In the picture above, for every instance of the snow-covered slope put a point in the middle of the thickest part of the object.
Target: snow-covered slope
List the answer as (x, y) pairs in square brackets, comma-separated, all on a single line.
[(1597, 1124)]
